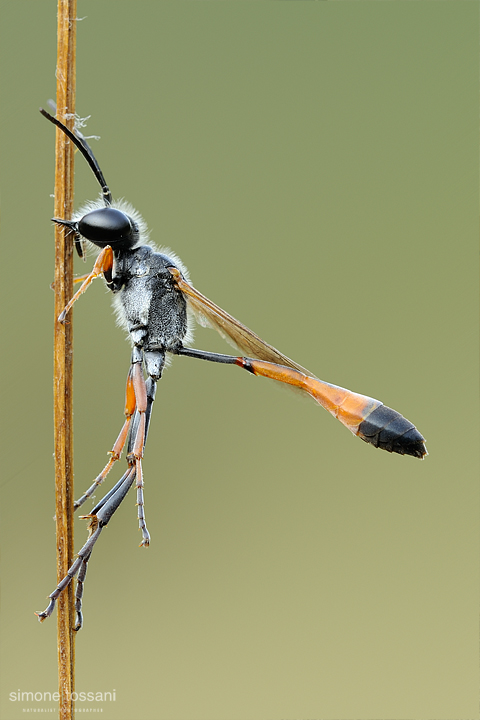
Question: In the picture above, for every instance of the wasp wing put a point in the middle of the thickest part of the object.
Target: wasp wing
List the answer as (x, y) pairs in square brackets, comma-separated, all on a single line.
[(369, 419), (232, 330)]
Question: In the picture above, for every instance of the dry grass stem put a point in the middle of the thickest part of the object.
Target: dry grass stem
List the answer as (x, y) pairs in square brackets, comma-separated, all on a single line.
[(63, 355)]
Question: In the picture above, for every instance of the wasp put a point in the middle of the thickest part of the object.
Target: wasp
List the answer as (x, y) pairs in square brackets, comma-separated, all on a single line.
[(154, 301)]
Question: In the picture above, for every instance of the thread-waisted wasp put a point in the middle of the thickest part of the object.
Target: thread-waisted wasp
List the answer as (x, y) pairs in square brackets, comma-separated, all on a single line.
[(154, 301)]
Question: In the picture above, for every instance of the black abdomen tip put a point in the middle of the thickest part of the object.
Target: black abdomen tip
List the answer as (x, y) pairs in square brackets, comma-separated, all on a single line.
[(387, 429)]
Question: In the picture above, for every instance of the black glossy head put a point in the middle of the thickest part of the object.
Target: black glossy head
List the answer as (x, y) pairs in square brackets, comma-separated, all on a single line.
[(103, 226), (109, 226)]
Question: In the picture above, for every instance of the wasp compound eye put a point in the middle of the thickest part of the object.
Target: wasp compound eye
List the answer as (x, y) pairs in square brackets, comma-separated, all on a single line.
[(108, 226)]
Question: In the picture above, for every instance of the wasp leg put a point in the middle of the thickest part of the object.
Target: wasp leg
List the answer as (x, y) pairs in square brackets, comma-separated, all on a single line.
[(80, 278), (105, 508), (103, 514), (138, 436), (79, 592), (136, 446), (103, 264), (79, 562), (104, 511), (140, 397), (117, 449)]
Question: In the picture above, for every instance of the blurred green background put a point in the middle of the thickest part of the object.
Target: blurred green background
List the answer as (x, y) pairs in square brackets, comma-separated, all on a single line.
[(315, 166)]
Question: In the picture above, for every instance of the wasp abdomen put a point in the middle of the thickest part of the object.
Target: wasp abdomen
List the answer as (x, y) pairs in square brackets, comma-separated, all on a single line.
[(387, 429)]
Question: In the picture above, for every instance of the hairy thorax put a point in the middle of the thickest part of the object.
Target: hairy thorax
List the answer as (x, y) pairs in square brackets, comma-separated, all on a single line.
[(147, 303)]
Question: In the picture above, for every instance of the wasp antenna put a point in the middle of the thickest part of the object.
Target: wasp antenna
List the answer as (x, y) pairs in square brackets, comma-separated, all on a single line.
[(80, 142)]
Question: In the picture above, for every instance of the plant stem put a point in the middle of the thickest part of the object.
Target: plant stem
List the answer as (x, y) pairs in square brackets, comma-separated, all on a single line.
[(63, 355)]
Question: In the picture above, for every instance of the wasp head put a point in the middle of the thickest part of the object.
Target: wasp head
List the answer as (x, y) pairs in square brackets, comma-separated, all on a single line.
[(105, 226)]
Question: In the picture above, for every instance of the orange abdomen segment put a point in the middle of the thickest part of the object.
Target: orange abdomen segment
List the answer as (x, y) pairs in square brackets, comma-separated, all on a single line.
[(349, 407), (364, 416)]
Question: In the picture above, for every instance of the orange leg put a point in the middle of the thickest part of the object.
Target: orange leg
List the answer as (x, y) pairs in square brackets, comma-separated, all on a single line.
[(136, 454), (117, 449), (139, 402), (80, 278), (103, 264)]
